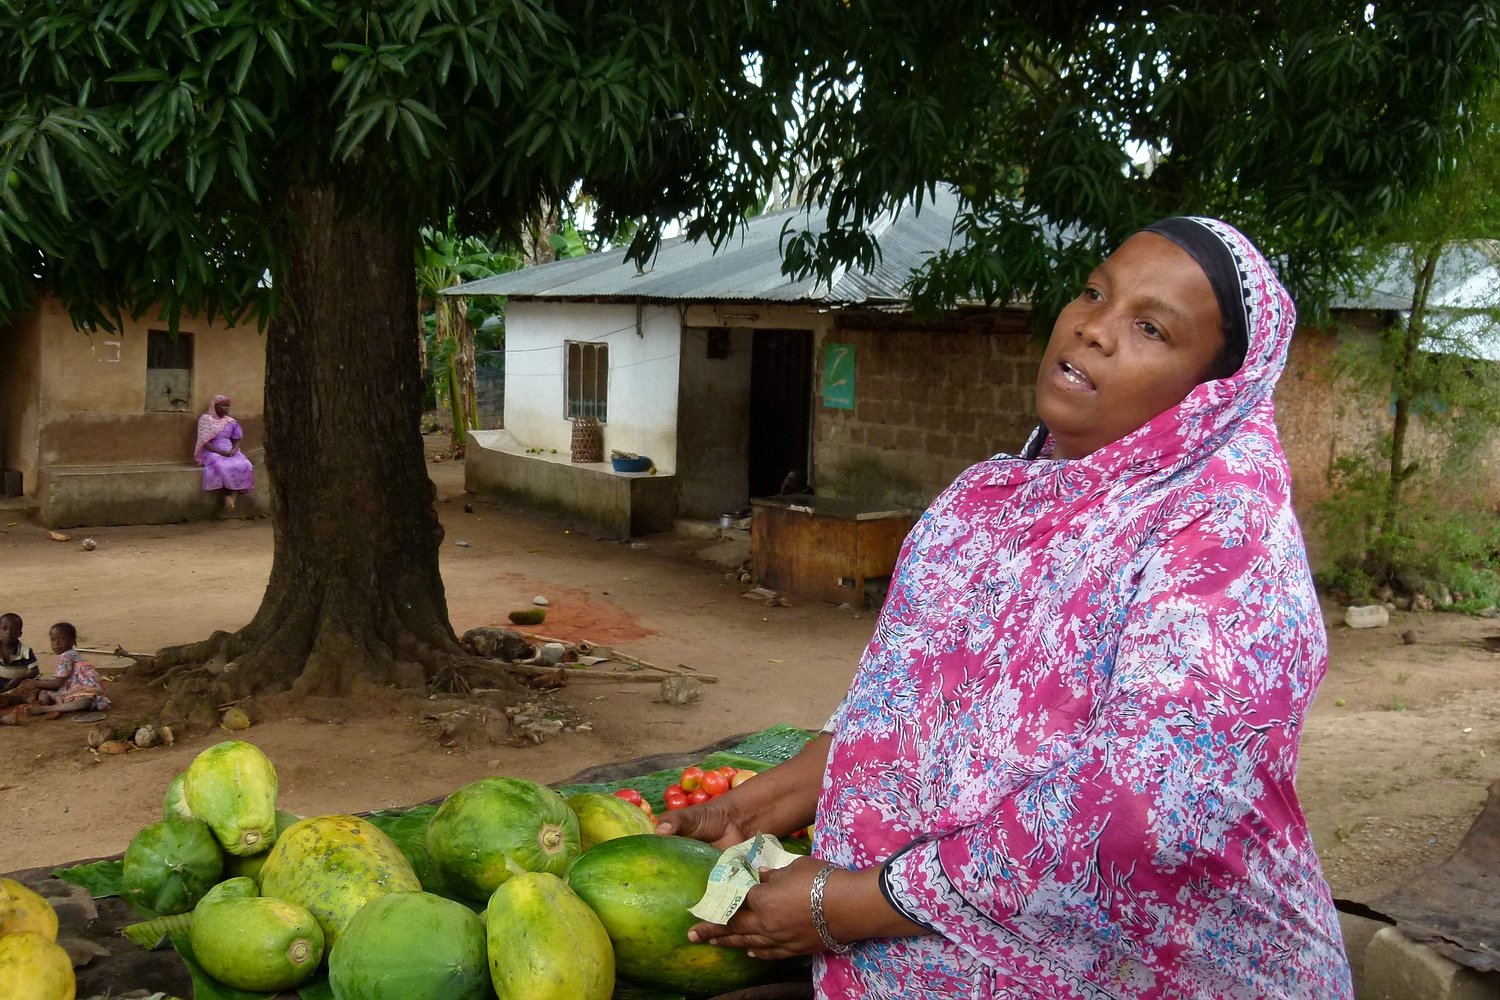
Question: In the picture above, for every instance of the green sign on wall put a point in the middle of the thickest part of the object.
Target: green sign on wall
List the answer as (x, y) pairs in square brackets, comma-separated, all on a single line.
[(838, 376)]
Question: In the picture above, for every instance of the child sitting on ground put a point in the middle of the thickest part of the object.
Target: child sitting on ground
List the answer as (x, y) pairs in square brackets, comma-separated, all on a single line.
[(17, 661), (74, 685)]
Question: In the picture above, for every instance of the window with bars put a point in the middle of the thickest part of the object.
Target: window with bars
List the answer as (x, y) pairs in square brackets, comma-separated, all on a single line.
[(587, 380), (169, 371)]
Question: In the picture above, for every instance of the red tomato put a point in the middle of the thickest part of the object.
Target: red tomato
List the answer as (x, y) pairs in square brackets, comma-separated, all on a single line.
[(629, 795), (678, 794), (692, 777), (727, 771), (741, 776), (677, 802), (698, 796), (676, 790), (715, 784)]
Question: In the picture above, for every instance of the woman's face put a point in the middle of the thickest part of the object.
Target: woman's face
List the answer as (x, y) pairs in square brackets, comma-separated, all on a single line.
[(221, 409), (1144, 332)]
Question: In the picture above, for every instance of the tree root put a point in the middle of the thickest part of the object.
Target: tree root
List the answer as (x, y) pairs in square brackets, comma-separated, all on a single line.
[(312, 653)]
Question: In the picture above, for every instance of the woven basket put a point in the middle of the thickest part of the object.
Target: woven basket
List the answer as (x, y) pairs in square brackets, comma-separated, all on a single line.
[(588, 440)]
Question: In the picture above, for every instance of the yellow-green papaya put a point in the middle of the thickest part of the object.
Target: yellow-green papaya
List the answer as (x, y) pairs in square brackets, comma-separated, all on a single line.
[(332, 866), (232, 788), (545, 943)]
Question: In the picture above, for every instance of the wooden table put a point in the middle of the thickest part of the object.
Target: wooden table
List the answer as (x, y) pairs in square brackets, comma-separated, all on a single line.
[(824, 548)]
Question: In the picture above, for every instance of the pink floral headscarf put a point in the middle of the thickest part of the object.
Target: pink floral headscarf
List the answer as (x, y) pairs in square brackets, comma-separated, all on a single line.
[(1071, 743), (209, 426)]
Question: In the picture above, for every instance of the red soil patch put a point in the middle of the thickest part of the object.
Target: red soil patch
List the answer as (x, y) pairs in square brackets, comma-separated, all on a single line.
[(571, 613)]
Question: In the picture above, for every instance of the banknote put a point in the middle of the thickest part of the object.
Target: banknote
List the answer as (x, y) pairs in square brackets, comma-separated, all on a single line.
[(736, 873)]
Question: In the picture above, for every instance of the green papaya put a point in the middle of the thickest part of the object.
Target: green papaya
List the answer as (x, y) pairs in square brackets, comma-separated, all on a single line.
[(231, 888), (545, 943), (250, 867), (332, 866), (480, 825), (641, 888), (175, 804), (252, 942), (170, 865), (605, 817), (411, 946), (232, 788)]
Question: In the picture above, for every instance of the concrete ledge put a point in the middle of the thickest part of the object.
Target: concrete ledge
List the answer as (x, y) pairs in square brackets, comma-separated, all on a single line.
[(1357, 932), (1398, 968), (71, 496), (594, 497)]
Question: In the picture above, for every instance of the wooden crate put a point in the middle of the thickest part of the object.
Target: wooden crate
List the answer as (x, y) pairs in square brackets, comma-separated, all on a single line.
[(822, 548)]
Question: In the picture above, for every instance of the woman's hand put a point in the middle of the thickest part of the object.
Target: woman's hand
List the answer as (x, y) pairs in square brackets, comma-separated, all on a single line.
[(714, 822), (775, 921), (779, 801)]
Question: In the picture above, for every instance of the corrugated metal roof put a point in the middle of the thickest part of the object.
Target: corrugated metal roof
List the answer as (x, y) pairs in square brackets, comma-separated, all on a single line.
[(746, 268), (1462, 305), (1465, 278)]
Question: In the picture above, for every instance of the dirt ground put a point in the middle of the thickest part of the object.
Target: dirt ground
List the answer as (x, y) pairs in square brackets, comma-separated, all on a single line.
[(1396, 753)]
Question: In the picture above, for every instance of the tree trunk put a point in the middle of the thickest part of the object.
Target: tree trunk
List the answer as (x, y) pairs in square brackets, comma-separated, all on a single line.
[(463, 393), (354, 585), (463, 364), (1401, 382), (536, 238)]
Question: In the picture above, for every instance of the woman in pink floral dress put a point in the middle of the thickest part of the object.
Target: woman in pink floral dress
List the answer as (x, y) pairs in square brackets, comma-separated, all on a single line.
[(1065, 766)]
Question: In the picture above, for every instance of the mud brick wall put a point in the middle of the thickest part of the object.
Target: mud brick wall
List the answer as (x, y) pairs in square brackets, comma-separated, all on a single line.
[(932, 399), (929, 401)]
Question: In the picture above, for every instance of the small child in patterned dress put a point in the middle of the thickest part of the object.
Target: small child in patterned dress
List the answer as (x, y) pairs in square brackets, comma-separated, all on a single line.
[(74, 686)]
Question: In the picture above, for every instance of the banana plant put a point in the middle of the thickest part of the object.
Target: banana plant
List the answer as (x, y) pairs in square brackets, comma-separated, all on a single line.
[(446, 325)]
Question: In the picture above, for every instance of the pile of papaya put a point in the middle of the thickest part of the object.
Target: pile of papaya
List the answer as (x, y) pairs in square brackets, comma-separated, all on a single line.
[(31, 962), (510, 887)]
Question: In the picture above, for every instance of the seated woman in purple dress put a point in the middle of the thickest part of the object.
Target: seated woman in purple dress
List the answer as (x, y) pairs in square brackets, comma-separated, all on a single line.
[(225, 467)]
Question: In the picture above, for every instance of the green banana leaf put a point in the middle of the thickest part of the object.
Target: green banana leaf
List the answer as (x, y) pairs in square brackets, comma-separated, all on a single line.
[(101, 879)]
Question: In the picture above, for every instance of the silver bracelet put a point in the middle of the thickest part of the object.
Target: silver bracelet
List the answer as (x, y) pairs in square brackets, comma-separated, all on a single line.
[(820, 924)]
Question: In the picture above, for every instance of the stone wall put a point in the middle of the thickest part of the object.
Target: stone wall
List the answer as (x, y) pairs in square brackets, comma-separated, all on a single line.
[(930, 400)]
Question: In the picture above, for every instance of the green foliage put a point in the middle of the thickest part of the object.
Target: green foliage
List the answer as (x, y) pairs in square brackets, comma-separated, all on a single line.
[(1401, 502), (1305, 124), (153, 143), (450, 325), (444, 260), (1430, 532), (101, 878), (568, 243)]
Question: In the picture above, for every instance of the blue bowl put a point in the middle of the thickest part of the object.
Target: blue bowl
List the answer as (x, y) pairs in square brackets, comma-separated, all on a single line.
[(631, 464)]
